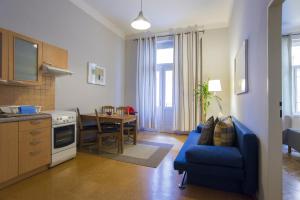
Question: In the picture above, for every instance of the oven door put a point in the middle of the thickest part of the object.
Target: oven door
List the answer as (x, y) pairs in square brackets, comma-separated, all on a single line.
[(63, 137)]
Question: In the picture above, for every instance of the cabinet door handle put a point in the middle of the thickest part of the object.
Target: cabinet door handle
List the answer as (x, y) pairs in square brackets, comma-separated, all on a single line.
[(35, 132), (33, 143), (35, 122), (34, 153)]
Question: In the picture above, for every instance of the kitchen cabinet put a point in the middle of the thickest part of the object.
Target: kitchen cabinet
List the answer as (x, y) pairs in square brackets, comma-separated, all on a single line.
[(8, 151), (3, 55), (34, 144), (25, 148), (55, 56), (25, 59)]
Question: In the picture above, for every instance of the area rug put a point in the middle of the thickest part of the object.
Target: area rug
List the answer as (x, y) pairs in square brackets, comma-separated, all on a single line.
[(144, 153)]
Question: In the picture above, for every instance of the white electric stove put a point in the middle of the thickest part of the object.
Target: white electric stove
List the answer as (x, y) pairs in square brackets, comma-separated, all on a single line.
[(63, 136)]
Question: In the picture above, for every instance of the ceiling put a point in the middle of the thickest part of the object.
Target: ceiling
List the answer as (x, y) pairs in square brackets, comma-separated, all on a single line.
[(163, 14), (291, 16)]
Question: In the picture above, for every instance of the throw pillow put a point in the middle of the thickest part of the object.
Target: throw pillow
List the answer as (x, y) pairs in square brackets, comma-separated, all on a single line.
[(224, 133), (207, 132)]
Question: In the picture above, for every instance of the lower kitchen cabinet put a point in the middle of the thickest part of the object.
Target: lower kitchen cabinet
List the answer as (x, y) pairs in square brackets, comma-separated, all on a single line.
[(34, 149), (25, 147), (9, 155)]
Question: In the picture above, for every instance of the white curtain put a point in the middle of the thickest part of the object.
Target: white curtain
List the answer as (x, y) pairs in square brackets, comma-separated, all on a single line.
[(146, 83), (187, 75), (286, 76)]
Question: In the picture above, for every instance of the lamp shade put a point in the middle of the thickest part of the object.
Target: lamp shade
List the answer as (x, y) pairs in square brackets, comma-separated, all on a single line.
[(140, 23), (214, 86)]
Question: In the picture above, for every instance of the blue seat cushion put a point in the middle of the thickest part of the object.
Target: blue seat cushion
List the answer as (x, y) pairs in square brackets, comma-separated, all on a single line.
[(215, 155), (180, 162)]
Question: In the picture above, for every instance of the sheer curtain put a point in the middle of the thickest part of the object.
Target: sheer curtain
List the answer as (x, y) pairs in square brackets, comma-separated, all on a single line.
[(146, 83), (187, 75)]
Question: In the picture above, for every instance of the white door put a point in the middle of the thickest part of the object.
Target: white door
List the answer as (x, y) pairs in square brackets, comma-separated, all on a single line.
[(164, 85)]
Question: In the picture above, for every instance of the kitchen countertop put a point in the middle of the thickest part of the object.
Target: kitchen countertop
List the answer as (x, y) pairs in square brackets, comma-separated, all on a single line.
[(24, 117)]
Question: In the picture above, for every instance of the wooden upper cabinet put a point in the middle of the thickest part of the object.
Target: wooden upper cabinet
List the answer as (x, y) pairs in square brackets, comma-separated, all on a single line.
[(25, 59), (3, 54), (9, 155), (55, 56)]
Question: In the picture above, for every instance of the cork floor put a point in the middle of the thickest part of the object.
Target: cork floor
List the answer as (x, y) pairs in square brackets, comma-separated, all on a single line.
[(93, 177)]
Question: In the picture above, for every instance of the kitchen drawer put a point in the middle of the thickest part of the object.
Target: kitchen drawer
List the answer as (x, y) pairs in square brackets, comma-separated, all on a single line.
[(34, 149), (34, 124)]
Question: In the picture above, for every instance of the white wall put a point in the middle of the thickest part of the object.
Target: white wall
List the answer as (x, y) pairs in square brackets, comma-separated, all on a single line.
[(215, 66), (130, 72), (250, 21), (61, 23)]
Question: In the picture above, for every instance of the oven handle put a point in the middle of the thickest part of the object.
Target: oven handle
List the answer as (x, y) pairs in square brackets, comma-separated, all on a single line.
[(67, 124)]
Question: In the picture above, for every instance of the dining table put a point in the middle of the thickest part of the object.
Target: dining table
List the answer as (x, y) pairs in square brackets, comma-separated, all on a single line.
[(121, 119)]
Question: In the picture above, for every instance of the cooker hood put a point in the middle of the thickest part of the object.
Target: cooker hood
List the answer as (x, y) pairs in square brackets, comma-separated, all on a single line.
[(49, 69)]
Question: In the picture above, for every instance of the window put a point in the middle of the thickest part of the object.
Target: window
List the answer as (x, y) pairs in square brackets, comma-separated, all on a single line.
[(164, 74), (169, 88), (164, 56), (296, 73)]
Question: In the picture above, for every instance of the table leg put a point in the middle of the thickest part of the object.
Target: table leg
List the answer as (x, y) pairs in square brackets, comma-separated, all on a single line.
[(135, 132), (122, 136)]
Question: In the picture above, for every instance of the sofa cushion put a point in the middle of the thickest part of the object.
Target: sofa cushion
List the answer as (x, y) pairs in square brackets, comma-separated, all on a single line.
[(207, 132), (215, 155), (180, 161), (224, 133)]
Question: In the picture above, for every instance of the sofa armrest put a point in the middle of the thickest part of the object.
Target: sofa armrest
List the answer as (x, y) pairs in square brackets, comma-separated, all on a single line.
[(214, 155), (249, 150)]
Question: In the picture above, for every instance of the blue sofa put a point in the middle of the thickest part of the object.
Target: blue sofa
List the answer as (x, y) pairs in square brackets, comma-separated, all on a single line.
[(233, 169)]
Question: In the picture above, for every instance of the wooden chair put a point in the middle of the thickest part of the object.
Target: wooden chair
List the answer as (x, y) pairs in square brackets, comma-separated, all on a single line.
[(105, 109), (87, 131), (107, 133), (129, 128)]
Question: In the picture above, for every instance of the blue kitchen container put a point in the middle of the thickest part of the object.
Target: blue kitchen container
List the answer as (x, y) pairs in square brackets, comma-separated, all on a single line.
[(27, 110)]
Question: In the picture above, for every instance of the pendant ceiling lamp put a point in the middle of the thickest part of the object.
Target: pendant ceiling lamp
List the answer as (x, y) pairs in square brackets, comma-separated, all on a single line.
[(140, 23)]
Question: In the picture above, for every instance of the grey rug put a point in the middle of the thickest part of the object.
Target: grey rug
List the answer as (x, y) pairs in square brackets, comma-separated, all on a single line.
[(144, 153)]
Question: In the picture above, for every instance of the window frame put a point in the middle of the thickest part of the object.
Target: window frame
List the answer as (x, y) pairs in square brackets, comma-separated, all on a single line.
[(295, 89)]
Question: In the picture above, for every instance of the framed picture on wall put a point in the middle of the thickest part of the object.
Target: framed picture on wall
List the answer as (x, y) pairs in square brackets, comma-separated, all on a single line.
[(96, 74), (241, 70)]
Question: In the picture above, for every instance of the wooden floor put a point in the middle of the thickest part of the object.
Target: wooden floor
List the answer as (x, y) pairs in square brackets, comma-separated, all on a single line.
[(92, 177), (291, 174)]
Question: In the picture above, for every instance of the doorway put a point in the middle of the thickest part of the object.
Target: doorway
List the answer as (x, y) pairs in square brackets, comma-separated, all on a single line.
[(165, 83), (290, 98)]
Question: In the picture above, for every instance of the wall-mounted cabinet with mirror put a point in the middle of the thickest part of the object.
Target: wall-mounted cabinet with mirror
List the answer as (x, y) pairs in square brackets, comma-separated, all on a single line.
[(21, 58), (25, 59)]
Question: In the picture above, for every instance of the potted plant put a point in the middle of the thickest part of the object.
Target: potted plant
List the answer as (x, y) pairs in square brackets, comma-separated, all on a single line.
[(204, 96)]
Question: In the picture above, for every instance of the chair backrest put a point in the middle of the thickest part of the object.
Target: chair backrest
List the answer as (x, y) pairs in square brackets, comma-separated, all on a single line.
[(98, 121), (105, 109), (79, 120), (122, 110)]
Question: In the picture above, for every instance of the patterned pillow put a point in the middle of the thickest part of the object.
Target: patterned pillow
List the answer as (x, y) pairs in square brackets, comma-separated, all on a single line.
[(207, 132), (224, 133)]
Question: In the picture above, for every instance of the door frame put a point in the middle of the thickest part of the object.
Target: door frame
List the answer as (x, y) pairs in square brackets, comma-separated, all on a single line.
[(274, 189)]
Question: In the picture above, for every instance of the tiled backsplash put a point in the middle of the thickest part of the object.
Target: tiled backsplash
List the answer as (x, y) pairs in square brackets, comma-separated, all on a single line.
[(42, 95)]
